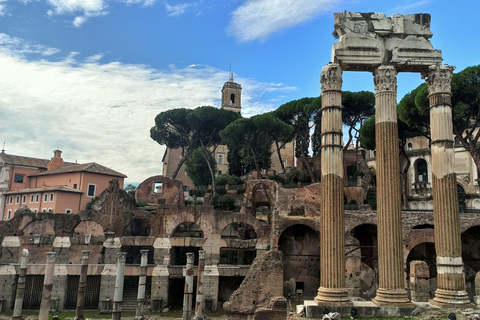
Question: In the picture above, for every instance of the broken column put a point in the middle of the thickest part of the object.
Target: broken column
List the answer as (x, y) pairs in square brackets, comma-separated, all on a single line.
[(47, 287), (118, 295), (17, 310), (332, 226), (188, 292), (142, 280), (82, 285), (391, 285), (450, 279), (199, 299), (419, 281)]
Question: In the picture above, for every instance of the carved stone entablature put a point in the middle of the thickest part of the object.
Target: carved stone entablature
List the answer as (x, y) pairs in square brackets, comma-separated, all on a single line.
[(331, 77), (367, 40), (439, 78), (465, 177), (385, 79)]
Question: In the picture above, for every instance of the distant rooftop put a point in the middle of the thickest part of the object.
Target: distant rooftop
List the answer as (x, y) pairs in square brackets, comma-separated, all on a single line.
[(40, 189)]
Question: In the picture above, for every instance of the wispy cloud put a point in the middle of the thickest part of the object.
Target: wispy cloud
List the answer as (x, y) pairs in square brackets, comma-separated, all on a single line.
[(409, 6), (103, 112), (178, 9), (258, 19)]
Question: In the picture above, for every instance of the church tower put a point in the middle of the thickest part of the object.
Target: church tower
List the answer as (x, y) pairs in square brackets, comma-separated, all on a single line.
[(231, 95)]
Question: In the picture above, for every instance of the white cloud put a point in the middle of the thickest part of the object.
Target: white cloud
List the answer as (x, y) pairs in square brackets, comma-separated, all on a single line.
[(257, 19), (102, 112), (177, 10)]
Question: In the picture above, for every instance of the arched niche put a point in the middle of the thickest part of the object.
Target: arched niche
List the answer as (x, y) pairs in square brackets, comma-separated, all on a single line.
[(187, 230)]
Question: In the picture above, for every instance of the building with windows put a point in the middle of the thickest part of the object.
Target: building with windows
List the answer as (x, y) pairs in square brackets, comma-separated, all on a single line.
[(231, 100), (50, 185)]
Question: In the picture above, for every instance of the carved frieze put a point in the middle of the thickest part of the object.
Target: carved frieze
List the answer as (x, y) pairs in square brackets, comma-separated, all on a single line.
[(331, 77), (385, 79), (439, 78)]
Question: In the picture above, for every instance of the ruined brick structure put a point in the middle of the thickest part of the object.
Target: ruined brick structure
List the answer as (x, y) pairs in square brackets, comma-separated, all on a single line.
[(272, 218)]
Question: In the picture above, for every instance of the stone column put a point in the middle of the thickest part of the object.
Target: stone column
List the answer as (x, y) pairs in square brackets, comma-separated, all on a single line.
[(450, 277), (391, 285), (332, 225), (17, 310), (47, 287), (188, 293), (118, 295), (82, 285), (142, 280), (200, 273)]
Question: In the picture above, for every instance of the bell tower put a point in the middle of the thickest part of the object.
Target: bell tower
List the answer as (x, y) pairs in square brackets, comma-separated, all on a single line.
[(232, 95)]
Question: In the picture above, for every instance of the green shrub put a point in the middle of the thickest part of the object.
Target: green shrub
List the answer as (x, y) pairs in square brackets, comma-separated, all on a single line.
[(221, 190), (241, 191), (304, 177), (298, 176), (352, 201), (196, 192), (224, 179), (277, 178), (223, 202)]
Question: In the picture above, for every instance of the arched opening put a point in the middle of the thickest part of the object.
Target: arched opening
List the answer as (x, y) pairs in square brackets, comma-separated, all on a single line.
[(261, 201), (471, 257), (187, 230), (300, 245), (421, 169), (232, 98), (239, 230), (137, 228), (461, 197), (425, 252), (238, 252), (365, 275), (409, 146)]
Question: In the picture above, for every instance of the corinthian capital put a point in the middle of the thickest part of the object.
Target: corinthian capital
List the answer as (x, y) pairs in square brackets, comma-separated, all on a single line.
[(439, 78), (121, 257), (331, 77), (385, 79)]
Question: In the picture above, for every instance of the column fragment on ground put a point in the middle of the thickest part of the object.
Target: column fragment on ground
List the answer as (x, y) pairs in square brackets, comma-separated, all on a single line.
[(118, 294), (391, 284), (199, 305), (332, 225), (188, 292), (47, 287), (142, 281), (17, 310), (82, 285), (450, 277)]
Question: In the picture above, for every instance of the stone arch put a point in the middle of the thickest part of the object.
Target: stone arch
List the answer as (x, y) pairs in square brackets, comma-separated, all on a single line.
[(187, 230), (461, 194), (414, 205), (260, 193), (238, 230), (174, 220), (172, 190), (300, 245), (471, 256), (416, 237), (422, 205), (257, 225), (366, 234), (138, 228), (476, 204), (424, 251), (89, 227)]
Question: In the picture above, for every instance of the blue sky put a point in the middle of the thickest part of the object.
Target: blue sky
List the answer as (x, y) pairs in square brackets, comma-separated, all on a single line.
[(89, 76)]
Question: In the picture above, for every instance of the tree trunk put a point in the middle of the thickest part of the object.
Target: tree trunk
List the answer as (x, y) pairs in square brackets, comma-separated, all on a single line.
[(309, 168), (205, 155), (280, 156), (182, 161), (257, 165)]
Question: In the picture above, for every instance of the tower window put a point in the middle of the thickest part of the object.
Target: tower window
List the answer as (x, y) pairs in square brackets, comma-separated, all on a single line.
[(232, 98)]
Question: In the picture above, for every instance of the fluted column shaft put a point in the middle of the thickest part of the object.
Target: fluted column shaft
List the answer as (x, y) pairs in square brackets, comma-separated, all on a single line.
[(450, 279), (142, 281), (82, 285), (17, 310), (188, 292), (47, 286), (332, 224), (391, 286), (199, 305), (119, 280)]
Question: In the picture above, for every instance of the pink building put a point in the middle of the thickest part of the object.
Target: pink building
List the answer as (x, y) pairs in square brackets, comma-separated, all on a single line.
[(50, 185)]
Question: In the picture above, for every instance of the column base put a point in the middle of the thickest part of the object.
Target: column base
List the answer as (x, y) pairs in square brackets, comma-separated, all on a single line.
[(392, 297), (333, 297), (451, 299)]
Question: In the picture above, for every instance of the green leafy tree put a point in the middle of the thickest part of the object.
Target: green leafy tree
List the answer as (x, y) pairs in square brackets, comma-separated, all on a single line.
[(197, 168), (130, 189), (255, 134), (299, 114)]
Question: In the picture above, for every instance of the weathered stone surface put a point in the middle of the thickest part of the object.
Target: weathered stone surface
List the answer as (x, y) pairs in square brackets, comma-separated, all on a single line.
[(263, 282)]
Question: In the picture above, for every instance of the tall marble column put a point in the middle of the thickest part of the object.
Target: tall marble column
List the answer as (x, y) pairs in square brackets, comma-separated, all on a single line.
[(82, 285), (47, 287), (142, 281), (391, 285), (17, 310), (199, 305), (188, 292), (118, 294), (450, 277), (332, 289)]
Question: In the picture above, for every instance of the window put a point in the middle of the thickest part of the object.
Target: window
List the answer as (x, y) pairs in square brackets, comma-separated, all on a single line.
[(219, 172), (74, 186), (11, 199), (91, 190), (68, 210), (45, 197), (9, 214), (32, 197), (232, 98), (51, 197), (18, 178), (220, 159), (24, 199), (18, 200), (35, 210), (37, 197), (50, 210), (284, 163), (409, 147), (44, 210)]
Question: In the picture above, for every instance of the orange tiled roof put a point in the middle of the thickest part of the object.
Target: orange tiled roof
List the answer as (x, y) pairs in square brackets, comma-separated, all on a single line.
[(92, 167), (41, 189)]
